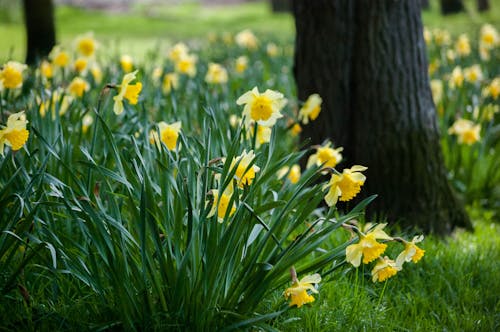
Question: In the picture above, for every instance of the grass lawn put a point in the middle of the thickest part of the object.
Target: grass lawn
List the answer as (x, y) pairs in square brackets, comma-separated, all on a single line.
[(145, 27)]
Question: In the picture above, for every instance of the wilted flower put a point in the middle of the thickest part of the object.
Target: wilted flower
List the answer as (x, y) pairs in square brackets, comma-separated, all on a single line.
[(345, 186), (325, 156), (297, 293), (311, 108), (11, 75), (169, 133), (367, 247), (241, 64), (187, 65), (247, 39), (411, 251), (467, 131), (127, 63), (170, 81), (127, 91), (384, 269), (15, 133), (216, 74), (244, 173), (263, 108), (78, 86)]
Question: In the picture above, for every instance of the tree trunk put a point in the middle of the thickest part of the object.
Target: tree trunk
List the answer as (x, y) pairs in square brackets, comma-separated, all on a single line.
[(451, 6), (367, 60), (425, 4), (280, 5), (40, 30), (483, 5)]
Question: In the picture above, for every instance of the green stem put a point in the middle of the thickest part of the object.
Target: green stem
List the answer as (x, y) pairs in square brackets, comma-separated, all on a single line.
[(382, 294), (94, 139)]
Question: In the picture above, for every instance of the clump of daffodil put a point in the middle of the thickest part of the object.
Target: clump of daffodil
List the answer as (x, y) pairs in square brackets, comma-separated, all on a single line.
[(80, 65), (127, 63), (57, 101), (292, 173), (442, 37), (473, 74), (367, 247), (87, 121), (170, 81), (216, 74), (272, 50), (311, 108), (59, 57), (46, 69), (437, 90), (241, 64), (345, 186), (263, 108), (325, 156), (14, 134), (86, 45), (78, 87), (456, 78), (11, 75), (178, 51), (244, 173), (466, 130), (384, 269), (411, 251), (297, 293), (493, 89), (127, 91), (187, 65), (462, 45), (222, 204), (246, 39), (263, 134), (168, 134)]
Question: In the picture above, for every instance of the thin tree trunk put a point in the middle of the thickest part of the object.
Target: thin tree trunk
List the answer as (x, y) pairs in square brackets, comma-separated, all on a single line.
[(40, 30), (451, 6), (367, 60), (483, 5)]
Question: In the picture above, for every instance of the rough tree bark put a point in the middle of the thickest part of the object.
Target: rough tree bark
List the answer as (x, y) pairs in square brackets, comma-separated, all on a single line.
[(40, 30), (451, 6), (483, 5), (367, 60)]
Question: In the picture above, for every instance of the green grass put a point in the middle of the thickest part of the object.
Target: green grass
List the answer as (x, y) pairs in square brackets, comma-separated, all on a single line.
[(454, 287)]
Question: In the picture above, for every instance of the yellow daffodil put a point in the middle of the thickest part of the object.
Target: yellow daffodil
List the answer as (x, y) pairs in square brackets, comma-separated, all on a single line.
[(59, 57), (489, 112), (473, 74), (263, 108), (384, 269), (187, 65), (168, 134), (462, 46), (451, 56), (80, 65), (96, 72), (127, 91), (442, 37), (157, 74), (178, 51), (345, 186), (297, 293), (325, 156), (433, 66), (437, 90), (170, 81), (216, 74), (244, 174), (296, 129), (241, 64), (411, 252), (87, 121), (427, 36), (263, 134), (221, 204), (272, 50), (246, 39), (78, 87), (46, 69), (15, 133), (11, 75), (367, 247), (493, 89), (456, 78), (489, 37), (86, 45), (311, 108), (127, 63), (293, 173), (467, 131)]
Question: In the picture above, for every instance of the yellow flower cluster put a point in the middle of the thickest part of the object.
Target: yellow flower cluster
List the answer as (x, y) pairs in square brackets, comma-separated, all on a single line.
[(14, 134), (467, 131)]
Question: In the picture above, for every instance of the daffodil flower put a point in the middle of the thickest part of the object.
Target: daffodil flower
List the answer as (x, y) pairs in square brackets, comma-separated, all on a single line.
[(263, 108), (297, 293), (221, 203), (11, 75), (169, 133), (325, 156), (216, 74), (411, 251), (15, 133), (311, 108), (244, 174), (384, 269), (367, 247), (346, 185), (127, 91), (467, 131)]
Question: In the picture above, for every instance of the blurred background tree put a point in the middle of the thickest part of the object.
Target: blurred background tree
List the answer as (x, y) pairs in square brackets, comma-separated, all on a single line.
[(40, 29), (367, 59)]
